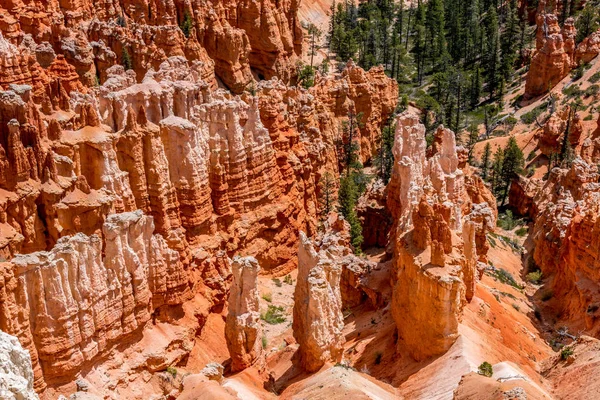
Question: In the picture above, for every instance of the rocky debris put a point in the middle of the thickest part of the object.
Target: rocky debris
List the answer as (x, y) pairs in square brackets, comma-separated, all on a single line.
[(439, 238), (243, 329), (318, 320), (213, 371), (16, 374)]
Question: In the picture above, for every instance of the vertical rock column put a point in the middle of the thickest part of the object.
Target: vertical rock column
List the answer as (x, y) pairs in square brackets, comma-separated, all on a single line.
[(318, 320), (243, 329)]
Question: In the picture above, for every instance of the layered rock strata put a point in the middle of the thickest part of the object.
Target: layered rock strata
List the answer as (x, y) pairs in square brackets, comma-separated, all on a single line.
[(72, 303), (318, 320), (243, 329), (218, 174), (232, 40), (439, 237)]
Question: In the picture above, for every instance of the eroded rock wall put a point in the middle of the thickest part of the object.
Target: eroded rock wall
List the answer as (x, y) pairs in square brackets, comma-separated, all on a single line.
[(438, 238)]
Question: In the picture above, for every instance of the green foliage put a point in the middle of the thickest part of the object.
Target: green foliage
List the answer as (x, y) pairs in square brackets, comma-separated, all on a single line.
[(306, 76), (512, 165), (384, 160), (534, 277), (274, 315), (172, 371), (530, 117), (566, 352), (485, 369), (595, 78), (485, 161), (277, 282), (326, 195), (121, 21), (587, 22), (348, 198), (268, 297), (592, 90), (577, 73), (126, 61), (507, 221), (264, 341), (572, 91), (505, 277), (522, 231), (187, 24), (288, 280)]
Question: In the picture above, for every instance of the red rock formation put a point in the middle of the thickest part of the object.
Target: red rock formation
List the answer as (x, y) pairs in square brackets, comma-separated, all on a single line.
[(243, 329), (318, 320), (215, 179), (550, 138), (437, 245), (552, 59)]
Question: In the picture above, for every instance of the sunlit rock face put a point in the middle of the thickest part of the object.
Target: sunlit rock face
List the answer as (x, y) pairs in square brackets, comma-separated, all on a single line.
[(439, 238)]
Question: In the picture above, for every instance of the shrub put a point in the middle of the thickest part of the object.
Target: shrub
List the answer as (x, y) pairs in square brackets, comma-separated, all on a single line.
[(288, 280), (306, 76), (378, 357), (534, 277), (529, 117), (265, 342), (566, 352), (277, 282), (505, 277), (522, 231), (507, 221), (595, 78), (172, 371), (515, 306), (531, 155), (572, 91), (273, 315), (486, 369), (592, 91), (267, 297)]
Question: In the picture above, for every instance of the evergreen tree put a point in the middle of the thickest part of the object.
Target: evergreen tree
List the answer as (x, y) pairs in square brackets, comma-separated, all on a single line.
[(315, 34), (348, 198), (472, 140), (512, 165), (492, 52), (587, 22), (187, 24), (485, 161), (436, 34), (510, 40), (327, 190), (384, 160), (420, 45), (126, 61), (497, 169)]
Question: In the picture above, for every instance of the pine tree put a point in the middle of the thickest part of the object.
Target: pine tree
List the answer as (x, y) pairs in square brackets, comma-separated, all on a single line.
[(510, 40), (384, 160), (473, 138), (187, 24), (315, 34), (327, 198), (126, 59), (492, 51), (587, 22), (497, 169), (436, 34), (485, 161), (420, 45), (512, 165), (348, 198)]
